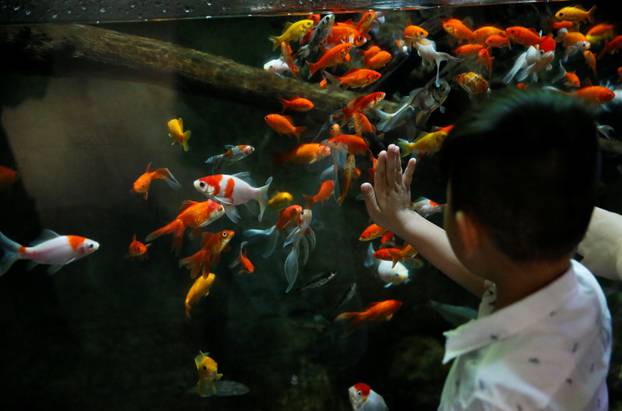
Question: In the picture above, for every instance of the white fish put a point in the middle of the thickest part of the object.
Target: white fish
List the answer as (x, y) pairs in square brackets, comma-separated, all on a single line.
[(276, 66), (318, 37), (51, 249), (363, 398), (426, 208), (427, 51), (302, 241), (389, 274), (530, 63), (232, 153)]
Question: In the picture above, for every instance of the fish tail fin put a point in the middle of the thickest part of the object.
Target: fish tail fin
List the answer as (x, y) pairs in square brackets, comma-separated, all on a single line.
[(262, 197), (404, 146), (184, 143), (384, 119), (313, 68), (194, 263), (175, 227), (590, 14), (187, 309), (309, 200), (332, 81), (370, 260), (348, 316), (271, 234), (291, 267), (276, 42), (213, 159), (168, 177), (11, 254), (284, 103), (298, 131)]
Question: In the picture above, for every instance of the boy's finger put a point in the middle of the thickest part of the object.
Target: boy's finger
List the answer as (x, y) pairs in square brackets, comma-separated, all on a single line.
[(397, 165), (370, 200), (407, 179), (390, 167), (379, 175)]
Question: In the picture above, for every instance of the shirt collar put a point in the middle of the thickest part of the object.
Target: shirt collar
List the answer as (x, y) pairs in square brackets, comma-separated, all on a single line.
[(512, 319)]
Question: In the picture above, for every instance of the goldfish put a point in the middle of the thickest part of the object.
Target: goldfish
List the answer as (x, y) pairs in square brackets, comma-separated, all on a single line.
[(232, 154), (366, 21), (372, 232), (207, 370), (143, 183), (523, 36), (376, 312), (379, 60), (177, 134), (468, 49), (301, 241), (193, 215), (573, 38), (349, 173), (339, 54), (199, 289), (530, 63), (287, 55), (137, 250), (8, 177), (362, 124), (355, 78), (427, 144), (293, 32), (213, 244), (572, 80), (50, 249), (280, 199), (389, 274), (326, 190), (343, 32), (363, 398), (547, 44), (232, 190), (481, 34), (276, 66), (283, 125), (299, 104), (600, 32), (575, 14), (371, 52), (595, 94), (472, 83), (414, 33), (485, 59), (395, 254), (246, 265), (429, 55), (308, 153), (354, 144), (458, 30), (563, 24), (363, 103), (318, 36), (613, 46), (427, 207), (289, 217)]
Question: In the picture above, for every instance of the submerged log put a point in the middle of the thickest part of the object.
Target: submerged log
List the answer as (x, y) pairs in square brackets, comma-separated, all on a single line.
[(145, 59)]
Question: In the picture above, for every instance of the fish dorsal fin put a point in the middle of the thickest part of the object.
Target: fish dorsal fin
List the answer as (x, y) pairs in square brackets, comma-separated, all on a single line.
[(198, 359), (148, 166), (372, 305), (45, 235), (134, 238), (206, 237), (468, 21), (186, 204), (229, 146), (244, 175), (288, 25)]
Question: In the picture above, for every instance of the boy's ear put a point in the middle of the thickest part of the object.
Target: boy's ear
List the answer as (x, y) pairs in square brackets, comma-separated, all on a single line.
[(468, 231)]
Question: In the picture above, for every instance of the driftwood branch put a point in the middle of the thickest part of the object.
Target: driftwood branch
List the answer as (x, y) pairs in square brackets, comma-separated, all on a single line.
[(146, 59)]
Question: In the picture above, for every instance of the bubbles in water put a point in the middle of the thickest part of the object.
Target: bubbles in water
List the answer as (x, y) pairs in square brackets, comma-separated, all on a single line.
[(54, 16), (16, 8), (132, 6), (209, 4), (102, 10), (27, 12), (68, 11), (163, 11), (187, 9)]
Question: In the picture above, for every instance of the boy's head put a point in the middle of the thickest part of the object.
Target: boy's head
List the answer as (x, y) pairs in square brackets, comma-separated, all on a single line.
[(521, 173)]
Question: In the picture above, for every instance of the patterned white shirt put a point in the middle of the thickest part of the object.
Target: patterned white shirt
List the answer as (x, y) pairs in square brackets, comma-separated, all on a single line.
[(549, 351)]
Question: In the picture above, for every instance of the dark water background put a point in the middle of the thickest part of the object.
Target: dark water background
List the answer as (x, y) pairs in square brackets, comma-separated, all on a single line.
[(109, 333)]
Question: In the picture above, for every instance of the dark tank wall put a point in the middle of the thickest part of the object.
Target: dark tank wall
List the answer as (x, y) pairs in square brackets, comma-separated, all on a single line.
[(106, 332)]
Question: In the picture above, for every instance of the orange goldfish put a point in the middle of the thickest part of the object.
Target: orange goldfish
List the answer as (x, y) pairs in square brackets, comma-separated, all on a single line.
[(563, 24), (590, 59), (213, 244), (297, 104), (372, 232), (177, 134), (395, 254), (414, 33), (193, 215), (472, 83), (349, 173), (600, 32), (288, 57), (289, 217), (304, 154), (8, 177), (468, 49), (523, 36), (366, 21), (355, 144), (355, 78), (283, 125), (485, 59), (458, 30), (200, 288), (371, 52), (595, 94), (497, 41), (326, 190), (379, 60), (246, 265), (576, 14), (360, 104), (386, 237), (572, 80), (362, 124), (613, 46), (143, 183), (345, 32), (339, 54), (573, 37), (376, 312), (481, 34), (137, 250)]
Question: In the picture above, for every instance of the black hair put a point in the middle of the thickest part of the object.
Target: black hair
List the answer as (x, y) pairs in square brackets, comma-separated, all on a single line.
[(524, 165)]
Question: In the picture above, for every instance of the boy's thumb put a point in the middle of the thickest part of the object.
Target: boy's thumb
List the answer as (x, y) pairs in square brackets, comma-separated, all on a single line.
[(370, 199)]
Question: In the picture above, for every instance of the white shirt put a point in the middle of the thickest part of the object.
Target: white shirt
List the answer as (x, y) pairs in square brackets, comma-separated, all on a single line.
[(548, 351)]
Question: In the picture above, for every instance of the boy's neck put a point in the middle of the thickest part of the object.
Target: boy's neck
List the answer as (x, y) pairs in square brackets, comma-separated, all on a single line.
[(516, 282)]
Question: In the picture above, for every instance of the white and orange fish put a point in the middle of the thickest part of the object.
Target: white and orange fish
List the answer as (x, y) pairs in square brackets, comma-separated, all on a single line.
[(232, 190), (50, 249), (232, 153), (427, 207), (363, 398)]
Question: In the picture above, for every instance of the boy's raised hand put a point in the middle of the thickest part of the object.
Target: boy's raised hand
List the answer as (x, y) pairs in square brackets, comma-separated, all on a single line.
[(388, 201)]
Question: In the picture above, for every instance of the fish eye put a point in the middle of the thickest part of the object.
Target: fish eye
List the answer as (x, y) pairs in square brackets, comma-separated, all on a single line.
[(359, 393), (90, 245), (205, 367), (202, 184), (225, 235), (561, 14)]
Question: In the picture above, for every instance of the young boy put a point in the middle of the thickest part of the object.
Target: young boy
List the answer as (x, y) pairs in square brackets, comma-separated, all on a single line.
[(521, 176)]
